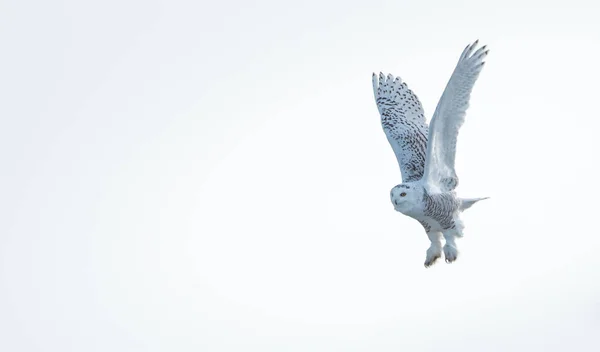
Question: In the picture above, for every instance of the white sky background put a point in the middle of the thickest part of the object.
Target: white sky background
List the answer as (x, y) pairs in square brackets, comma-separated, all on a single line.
[(212, 176)]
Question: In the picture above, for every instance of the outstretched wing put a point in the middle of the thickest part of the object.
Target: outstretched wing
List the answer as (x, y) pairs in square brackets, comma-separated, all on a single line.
[(447, 119), (403, 122)]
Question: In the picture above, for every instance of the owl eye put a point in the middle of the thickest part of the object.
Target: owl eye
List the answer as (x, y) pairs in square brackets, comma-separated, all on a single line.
[(402, 194)]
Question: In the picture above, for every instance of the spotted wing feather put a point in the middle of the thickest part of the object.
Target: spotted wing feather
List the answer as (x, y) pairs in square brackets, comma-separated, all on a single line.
[(403, 122)]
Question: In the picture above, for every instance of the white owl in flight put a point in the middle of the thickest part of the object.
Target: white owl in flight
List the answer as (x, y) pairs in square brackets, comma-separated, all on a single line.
[(426, 154)]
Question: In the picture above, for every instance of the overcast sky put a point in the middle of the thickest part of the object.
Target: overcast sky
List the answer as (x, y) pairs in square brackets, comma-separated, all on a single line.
[(212, 176)]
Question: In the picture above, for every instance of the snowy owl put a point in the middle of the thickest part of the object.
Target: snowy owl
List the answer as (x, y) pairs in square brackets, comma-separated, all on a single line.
[(426, 154)]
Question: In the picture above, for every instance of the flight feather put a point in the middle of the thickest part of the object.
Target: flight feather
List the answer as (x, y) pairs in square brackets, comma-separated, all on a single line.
[(449, 116), (403, 122)]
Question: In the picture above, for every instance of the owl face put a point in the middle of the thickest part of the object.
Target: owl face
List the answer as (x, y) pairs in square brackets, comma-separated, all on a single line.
[(404, 197)]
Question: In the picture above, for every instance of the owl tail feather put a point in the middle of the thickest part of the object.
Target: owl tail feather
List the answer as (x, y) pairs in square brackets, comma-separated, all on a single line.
[(465, 203)]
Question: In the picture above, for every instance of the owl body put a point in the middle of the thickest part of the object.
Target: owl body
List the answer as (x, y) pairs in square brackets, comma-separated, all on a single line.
[(426, 153)]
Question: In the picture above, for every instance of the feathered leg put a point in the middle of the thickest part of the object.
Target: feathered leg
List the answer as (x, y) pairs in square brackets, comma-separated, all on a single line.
[(435, 250), (450, 250)]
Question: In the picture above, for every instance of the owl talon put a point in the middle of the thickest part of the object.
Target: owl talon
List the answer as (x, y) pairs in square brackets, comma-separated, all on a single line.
[(433, 254), (430, 262), (450, 253)]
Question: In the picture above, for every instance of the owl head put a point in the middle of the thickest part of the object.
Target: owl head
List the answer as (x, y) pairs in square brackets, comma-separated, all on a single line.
[(405, 197)]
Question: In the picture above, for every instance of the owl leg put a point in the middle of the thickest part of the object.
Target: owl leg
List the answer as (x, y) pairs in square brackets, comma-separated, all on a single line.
[(435, 250), (450, 250)]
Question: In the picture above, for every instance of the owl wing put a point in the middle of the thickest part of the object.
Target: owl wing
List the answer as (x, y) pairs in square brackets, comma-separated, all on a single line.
[(404, 124), (449, 115)]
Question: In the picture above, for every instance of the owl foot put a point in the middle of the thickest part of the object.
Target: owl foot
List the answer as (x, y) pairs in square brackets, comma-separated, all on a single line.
[(450, 252), (433, 254)]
